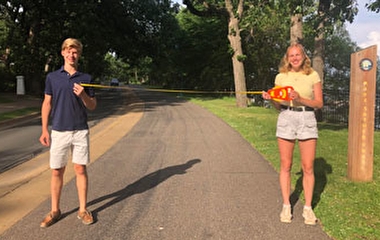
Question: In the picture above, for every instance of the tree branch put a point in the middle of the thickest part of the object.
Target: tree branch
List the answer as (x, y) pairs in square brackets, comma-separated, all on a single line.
[(210, 10)]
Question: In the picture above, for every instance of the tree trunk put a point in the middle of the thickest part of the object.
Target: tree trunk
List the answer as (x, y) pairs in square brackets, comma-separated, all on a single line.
[(319, 47), (317, 61), (235, 42), (319, 40), (296, 28), (318, 55)]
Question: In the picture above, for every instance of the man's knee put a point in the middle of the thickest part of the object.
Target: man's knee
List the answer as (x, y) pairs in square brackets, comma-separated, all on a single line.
[(58, 172), (80, 169)]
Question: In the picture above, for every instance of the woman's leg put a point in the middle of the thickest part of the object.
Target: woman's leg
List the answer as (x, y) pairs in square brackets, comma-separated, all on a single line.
[(307, 151), (286, 148)]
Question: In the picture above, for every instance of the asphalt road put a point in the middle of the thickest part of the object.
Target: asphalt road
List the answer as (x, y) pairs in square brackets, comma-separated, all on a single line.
[(179, 173), (20, 143)]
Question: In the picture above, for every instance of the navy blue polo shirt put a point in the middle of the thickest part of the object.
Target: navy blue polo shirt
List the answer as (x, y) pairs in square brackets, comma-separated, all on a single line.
[(68, 112)]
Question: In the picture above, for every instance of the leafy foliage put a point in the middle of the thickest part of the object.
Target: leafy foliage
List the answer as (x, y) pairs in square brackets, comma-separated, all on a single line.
[(154, 41), (203, 60), (35, 30), (266, 37), (374, 6), (338, 50)]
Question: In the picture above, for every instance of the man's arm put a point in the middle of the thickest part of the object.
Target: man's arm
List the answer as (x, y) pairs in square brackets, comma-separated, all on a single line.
[(89, 102), (45, 112)]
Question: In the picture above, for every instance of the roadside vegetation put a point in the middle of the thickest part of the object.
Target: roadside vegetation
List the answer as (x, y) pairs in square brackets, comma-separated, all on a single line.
[(12, 114), (5, 99), (174, 46), (17, 113), (347, 210)]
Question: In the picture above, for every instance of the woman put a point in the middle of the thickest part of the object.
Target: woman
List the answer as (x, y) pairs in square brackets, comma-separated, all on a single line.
[(297, 121)]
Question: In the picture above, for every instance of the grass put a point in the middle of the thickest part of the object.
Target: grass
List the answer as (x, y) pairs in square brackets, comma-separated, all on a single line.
[(5, 100), (17, 113), (348, 210)]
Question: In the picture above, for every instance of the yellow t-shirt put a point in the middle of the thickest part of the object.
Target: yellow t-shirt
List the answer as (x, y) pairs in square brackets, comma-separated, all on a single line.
[(302, 83)]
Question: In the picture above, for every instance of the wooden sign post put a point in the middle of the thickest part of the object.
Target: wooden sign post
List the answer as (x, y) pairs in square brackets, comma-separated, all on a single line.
[(361, 114)]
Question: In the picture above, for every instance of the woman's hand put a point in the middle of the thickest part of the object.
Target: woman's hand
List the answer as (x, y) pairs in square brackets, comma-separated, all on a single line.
[(266, 95), (295, 96)]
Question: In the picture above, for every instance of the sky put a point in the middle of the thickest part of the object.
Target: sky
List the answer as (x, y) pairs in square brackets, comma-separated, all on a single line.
[(365, 30)]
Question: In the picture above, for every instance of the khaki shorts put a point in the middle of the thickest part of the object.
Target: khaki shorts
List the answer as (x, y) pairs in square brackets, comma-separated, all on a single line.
[(62, 143), (293, 125)]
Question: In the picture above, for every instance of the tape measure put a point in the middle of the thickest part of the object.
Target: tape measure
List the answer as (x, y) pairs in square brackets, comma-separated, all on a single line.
[(281, 93)]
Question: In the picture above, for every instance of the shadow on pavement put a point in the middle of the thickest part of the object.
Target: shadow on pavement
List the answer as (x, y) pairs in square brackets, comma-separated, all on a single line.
[(321, 169), (143, 184)]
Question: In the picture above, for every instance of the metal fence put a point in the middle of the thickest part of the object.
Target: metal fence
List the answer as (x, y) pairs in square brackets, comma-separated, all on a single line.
[(336, 107)]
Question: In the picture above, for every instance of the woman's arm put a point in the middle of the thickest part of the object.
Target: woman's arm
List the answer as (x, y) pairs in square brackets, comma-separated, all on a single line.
[(317, 102)]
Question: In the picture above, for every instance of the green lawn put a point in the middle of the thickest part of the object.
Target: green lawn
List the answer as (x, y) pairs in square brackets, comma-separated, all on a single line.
[(17, 113), (5, 99), (346, 209)]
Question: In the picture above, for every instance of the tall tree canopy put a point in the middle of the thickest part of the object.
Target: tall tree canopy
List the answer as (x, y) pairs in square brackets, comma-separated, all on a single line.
[(374, 6), (208, 45), (35, 30), (233, 12)]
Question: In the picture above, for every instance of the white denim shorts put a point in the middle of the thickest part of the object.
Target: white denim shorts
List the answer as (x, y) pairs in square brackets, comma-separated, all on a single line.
[(65, 142), (293, 125)]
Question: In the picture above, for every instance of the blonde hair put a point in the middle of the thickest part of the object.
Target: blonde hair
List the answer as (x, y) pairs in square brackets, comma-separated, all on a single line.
[(72, 43), (285, 66)]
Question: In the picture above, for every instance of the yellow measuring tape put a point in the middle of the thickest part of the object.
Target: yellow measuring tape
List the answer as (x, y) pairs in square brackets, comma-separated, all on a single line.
[(169, 90)]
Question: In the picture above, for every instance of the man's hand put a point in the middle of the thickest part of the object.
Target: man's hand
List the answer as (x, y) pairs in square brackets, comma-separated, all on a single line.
[(78, 89), (45, 139)]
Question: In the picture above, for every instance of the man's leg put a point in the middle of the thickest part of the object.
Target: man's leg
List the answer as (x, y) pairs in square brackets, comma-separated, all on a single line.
[(56, 185), (82, 185)]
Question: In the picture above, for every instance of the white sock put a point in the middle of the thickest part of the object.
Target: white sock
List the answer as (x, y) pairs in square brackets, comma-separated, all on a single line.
[(307, 207)]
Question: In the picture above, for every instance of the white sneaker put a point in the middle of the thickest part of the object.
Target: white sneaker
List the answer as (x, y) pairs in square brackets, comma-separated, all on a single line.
[(309, 216), (286, 214)]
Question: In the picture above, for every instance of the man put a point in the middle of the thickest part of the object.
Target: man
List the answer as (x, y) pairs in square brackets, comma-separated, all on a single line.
[(66, 102)]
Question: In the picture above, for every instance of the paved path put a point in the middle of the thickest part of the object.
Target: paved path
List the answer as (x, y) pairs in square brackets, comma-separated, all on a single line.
[(167, 169)]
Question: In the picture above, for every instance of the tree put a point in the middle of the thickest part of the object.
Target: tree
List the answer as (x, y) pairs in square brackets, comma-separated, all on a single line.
[(202, 38), (374, 6), (234, 13), (339, 48), (297, 9), (37, 28), (329, 14), (265, 41), (319, 47), (35, 36)]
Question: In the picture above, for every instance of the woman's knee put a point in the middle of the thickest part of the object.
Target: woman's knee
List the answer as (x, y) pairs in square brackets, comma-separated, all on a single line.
[(286, 165), (307, 169)]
